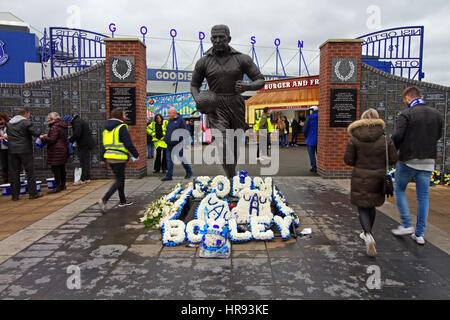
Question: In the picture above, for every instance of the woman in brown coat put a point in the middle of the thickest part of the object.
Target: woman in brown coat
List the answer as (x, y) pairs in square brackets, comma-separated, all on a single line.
[(366, 152), (57, 149)]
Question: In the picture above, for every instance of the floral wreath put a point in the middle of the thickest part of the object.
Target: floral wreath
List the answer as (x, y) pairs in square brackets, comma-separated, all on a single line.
[(126, 74), (338, 73)]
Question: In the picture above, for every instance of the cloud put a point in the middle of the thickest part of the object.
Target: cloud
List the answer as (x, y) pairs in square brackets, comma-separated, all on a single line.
[(313, 21)]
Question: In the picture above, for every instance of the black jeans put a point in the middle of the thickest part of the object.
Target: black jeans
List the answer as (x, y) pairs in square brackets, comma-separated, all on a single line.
[(16, 162), (4, 160), (294, 138), (85, 163), (60, 176), (158, 162), (119, 185), (367, 218)]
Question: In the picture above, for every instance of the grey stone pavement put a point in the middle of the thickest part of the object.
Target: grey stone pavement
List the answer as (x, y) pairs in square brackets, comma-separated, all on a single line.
[(118, 258)]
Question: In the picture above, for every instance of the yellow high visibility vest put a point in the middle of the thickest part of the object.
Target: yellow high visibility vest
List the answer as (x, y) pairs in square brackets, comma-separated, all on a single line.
[(269, 125), (151, 129), (115, 149)]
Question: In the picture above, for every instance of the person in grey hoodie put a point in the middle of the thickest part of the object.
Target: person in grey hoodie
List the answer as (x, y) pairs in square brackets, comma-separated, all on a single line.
[(20, 131)]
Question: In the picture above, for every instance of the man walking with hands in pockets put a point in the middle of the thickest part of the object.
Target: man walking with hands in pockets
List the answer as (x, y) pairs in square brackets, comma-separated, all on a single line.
[(418, 128)]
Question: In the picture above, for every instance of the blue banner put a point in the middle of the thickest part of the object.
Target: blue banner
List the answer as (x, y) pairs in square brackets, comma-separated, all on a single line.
[(186, 76)]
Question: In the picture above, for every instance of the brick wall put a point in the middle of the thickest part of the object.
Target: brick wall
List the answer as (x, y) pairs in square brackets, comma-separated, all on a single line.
[(132, 47), (81, 93), (332, 141)]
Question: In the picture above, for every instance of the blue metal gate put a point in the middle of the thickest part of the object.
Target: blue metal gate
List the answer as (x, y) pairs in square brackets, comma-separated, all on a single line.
[(72, 50), (397, 51)]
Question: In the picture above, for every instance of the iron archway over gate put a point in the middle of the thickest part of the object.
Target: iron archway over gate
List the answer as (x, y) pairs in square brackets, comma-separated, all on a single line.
[(72, 50), (397, 51)]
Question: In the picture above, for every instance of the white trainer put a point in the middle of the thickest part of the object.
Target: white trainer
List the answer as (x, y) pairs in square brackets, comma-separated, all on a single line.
[(370, 246), (362, 236), (401, 231), (419, 240), (102, 206)]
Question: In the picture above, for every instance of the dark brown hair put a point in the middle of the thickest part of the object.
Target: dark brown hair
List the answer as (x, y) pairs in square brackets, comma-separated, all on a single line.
[(117, 113), (412, 92), (160, 116), (4, 116), (23, 111)]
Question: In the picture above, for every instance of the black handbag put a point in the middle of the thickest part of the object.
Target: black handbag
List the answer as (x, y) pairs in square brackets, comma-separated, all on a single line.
[(388, 185)]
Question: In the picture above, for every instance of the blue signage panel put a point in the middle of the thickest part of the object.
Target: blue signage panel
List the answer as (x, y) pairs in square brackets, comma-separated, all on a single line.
[(186, 76), (16, 48)]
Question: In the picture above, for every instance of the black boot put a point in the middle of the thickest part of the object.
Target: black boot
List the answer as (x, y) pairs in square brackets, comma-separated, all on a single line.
[(56, 190)]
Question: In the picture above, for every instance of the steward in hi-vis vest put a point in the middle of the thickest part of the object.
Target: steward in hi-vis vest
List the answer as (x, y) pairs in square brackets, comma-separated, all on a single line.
[(117, 142), (158, 136), (268, 127), (116, 147)]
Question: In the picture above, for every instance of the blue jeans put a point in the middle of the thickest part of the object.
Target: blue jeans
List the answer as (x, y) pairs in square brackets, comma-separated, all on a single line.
[(312, 156), (403, 175), (150, 151), (282, 140), (170, 162)]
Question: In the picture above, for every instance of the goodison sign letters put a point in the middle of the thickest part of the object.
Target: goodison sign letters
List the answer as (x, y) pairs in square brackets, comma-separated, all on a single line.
[(168, 75), (186, 76)]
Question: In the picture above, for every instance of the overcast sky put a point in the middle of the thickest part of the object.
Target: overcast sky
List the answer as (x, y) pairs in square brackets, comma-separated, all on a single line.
[(313, 21)]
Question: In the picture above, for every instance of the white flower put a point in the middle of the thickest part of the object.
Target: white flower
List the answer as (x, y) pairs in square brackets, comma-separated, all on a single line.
[(222, 186), (174, 232), (191, 226), (263, 185), (238, 186), (235, 235), (211, 207), (200, 184), (284, 225), (258, 226)]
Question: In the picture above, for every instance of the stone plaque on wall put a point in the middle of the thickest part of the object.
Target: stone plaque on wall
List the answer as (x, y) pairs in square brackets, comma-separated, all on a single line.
[(343, 103), (121, 69), (344, 71), (125, 98)]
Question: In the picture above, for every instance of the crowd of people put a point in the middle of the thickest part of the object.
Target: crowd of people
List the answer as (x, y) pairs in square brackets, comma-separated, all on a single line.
[(412, 149), (17, 136)]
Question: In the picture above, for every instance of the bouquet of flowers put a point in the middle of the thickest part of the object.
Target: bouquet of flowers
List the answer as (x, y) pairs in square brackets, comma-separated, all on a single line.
[(160, 208)]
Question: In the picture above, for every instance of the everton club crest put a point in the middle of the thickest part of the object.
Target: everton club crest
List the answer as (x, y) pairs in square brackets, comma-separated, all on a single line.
[(3, 55)]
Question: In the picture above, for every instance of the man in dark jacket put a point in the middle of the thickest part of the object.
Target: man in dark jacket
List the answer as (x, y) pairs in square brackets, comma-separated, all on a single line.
[(82, 136), (175, 122), (418, 128), (310, 132), (286, 130), (20, 134), (295, 131)]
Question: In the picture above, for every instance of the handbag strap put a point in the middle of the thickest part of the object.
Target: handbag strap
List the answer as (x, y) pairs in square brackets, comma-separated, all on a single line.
[(387, 154)]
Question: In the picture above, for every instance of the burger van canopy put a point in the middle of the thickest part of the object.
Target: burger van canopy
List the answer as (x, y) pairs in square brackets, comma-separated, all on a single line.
[(288, 94)]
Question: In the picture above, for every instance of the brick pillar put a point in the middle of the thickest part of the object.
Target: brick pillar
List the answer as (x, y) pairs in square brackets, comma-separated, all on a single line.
[(130, 47), (331, 140)]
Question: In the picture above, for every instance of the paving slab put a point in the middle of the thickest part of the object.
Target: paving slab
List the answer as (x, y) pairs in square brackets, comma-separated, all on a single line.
[(119, 259)]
